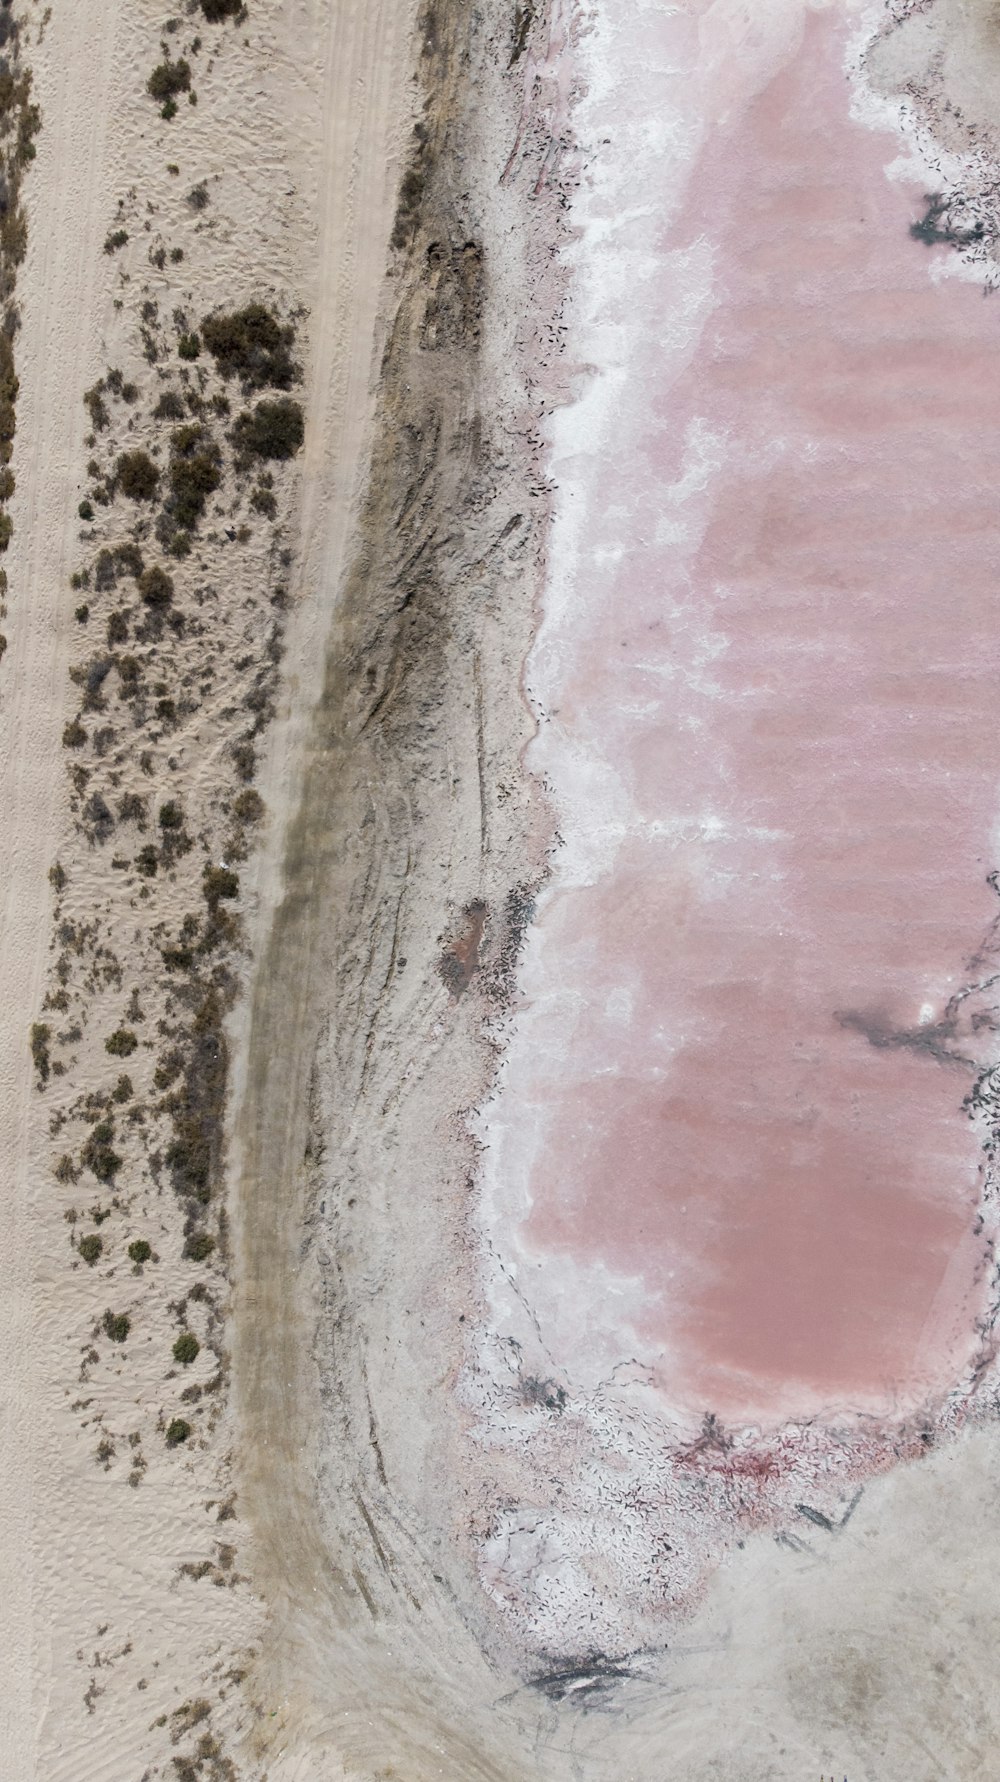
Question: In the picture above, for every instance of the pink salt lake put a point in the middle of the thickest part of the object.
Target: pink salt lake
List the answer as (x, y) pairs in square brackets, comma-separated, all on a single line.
[(759, 1115)]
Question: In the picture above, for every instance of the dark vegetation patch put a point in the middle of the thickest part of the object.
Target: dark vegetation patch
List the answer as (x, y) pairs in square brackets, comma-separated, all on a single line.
[(137, 476), (117, 1326), (272, 430), (195, 474), (20, 121), (168, 79), (252, 345)]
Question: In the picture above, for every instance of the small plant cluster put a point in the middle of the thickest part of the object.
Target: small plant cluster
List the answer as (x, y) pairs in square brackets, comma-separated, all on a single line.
[(20, 121)]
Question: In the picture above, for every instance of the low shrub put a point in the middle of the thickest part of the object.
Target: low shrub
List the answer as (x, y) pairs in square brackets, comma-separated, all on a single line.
[(273, 430), (195, 474), (139, 1251), (189, 346), (90, 1247), (74, 736), (169, 407), (254, 346), (98, 817), (115, 240), (41, 1033), (85, 510), (146, 861), (168, 79), (248, 806), (187, 1348), (263, 502), (117, 1326), (171, 816), (98, 1155), (177, 1431), (123, 1090), (198, 1246), (137, 475), (156, 586), (121, 1044), (217, 10), (219, 882), (132, 809)]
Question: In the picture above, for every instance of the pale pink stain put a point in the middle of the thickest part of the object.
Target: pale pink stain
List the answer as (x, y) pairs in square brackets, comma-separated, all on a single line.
[(790, 1193)]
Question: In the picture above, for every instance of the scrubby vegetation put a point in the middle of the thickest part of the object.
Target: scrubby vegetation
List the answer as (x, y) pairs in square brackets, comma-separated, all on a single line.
[(271, 430), (186, 1349), (137, 476), (216, 11), (168, 79), (252, 345), (20, 121)]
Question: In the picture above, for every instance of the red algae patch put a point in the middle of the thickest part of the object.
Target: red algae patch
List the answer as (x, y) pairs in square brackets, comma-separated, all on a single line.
[(736, 1091)]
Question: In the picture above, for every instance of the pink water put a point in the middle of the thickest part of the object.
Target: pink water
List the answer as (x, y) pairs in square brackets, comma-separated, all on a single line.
[(760, 1116)]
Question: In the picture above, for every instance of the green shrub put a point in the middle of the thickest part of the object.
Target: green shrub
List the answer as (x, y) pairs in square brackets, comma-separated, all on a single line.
[(248, 806), (98, 1155), (187, 1348), (85, 510), (168, 79), (177, 1432), (217, 10), (169, 407), (171, 816), (121, 1044), (195, 473), (90, 1247), (123, 1090), (117, 1326), (271, 430), (137, 475), (198, 1246), (115, 240), (189, 346), (219, 882), (263, 502), (254, 346), (82, 614), (41, 1033), (156, 586), (139, 1251)]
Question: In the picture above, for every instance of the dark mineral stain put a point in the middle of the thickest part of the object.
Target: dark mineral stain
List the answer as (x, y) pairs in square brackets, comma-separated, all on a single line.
[(460, 959)]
